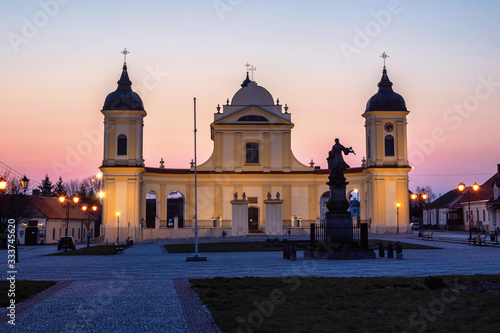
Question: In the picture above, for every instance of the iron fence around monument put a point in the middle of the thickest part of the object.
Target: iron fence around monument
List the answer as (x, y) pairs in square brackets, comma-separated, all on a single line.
[(354, 235)]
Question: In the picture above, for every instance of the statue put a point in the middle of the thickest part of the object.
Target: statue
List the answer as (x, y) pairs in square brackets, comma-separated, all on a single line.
[(236, 196), (277, 195), (244, 195), (268, 195), (335, 158)]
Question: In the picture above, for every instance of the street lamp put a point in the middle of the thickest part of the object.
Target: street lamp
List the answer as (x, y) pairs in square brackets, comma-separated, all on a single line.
[(24, 183), (118, 227), (85, 208), (68, 203), (3, 184), (470, 216), (398, 204)]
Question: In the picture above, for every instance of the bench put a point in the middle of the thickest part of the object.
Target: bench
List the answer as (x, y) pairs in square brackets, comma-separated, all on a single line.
[(119, 247), (428, 236), (481, 239)]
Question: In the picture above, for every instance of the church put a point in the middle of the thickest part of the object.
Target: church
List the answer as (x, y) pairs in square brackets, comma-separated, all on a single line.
[(252, 183)]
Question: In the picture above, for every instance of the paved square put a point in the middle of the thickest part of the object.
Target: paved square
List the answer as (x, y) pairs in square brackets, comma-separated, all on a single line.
[(135, 292)]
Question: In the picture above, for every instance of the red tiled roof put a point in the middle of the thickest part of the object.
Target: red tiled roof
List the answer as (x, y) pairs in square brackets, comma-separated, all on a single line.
[(51, 208)]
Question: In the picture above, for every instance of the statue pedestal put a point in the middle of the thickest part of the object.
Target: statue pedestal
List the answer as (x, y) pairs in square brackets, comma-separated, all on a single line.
[(338, 227)]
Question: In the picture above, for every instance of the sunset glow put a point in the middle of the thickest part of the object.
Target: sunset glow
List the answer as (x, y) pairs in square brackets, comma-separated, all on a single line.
[(320, 58)]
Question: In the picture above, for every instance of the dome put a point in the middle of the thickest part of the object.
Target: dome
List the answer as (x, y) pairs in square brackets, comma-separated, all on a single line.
[(252, 94), (386, 99), (123, 98)]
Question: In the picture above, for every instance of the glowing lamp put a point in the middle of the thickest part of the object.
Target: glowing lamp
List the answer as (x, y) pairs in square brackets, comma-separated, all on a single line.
[(117, 213), (62, 198), (475, 187), (3, 184), (94, 208), (424, 196), (84, 208), (461, 187), (76, 199), (398, 204), (413, 196), (101, 194), (24, 183)]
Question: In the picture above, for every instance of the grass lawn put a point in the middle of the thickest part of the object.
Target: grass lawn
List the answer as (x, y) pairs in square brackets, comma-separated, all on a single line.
[(24, 290), (380, 304), (263, 246), (87, 251)]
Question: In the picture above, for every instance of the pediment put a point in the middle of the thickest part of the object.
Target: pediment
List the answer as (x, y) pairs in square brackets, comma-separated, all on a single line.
[(252, 116)]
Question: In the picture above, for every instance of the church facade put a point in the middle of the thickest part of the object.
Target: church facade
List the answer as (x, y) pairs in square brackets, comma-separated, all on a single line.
[(252, 182)]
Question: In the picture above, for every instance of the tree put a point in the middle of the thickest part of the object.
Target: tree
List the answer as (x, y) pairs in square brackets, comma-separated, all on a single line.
[(82, 193), (46, 187), (60, 188)]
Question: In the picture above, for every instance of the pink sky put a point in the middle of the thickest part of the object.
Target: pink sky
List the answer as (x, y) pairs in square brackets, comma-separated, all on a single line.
[(54, 85)]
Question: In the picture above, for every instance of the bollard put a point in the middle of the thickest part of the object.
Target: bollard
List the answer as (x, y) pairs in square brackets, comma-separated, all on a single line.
[(288, 251), (346, 251), (399, 252), (381, 250), (293, 253), (390, 251), (284, 250)]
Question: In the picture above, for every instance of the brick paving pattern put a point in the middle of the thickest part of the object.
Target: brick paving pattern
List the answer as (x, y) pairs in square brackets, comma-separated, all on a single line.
[(145, 289)]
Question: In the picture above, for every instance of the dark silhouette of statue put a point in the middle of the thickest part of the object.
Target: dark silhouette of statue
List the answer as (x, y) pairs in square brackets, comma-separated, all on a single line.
[(335, 158)]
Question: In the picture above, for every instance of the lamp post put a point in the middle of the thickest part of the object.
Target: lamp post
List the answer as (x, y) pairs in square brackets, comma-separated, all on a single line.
[(85, 208), (68, 203), (398, 204), (118, 226), (423, 196), (461, 188)]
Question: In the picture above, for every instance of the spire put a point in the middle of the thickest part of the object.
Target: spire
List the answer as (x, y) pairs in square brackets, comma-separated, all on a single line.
[(246, 82), (385, 84), (124, 83)]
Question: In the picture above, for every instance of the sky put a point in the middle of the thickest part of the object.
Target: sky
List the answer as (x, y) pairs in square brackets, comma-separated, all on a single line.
[(60, 58)]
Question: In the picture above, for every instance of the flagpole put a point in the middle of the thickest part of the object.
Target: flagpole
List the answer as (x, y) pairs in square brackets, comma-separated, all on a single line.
[(196, 254)]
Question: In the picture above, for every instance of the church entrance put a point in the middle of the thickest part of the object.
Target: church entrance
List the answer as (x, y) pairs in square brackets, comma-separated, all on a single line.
[(31, 237), (253, 219)]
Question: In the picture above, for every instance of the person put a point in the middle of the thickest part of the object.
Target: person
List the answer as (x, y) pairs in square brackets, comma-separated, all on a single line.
[(335, 158)]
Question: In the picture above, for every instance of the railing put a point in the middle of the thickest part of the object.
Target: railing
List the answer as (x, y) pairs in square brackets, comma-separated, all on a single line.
[(343, 234)]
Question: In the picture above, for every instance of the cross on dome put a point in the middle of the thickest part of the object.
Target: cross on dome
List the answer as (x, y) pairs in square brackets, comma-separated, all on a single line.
[(250, 68), (125, 52), (384, 56)]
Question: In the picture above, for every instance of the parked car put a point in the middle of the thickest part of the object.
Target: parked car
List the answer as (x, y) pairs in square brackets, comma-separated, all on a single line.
[(415, 226), (66, 242)]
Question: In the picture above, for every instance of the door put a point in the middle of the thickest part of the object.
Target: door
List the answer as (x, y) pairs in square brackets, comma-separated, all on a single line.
[(253, 219), (31, 237)]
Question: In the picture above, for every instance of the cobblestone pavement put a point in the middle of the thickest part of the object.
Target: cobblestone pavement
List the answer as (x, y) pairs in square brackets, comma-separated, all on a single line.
[(134, 291)]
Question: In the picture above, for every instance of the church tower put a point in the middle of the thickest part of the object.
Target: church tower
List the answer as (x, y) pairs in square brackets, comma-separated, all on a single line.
[(386, 187), (386, 126), (123, 162)]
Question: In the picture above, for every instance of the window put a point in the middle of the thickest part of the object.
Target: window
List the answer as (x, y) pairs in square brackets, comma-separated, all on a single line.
[(252, 152), (252, 118), (389, 145), (53, 233), (122, 145), (484, 215)]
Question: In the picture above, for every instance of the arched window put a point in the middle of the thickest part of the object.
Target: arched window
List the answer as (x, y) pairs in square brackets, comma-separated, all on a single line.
[(252, 152), (252, 118), (389, 145), (175, 207), (150, 210), (122, 145)]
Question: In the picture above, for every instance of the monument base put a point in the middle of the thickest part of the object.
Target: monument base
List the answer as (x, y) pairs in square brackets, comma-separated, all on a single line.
[(338, 227)]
